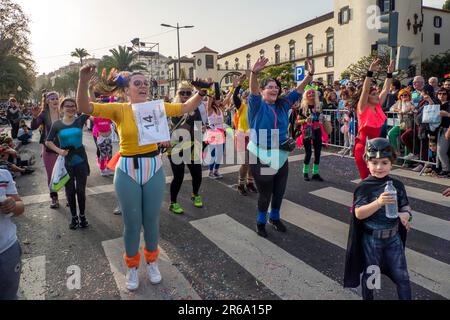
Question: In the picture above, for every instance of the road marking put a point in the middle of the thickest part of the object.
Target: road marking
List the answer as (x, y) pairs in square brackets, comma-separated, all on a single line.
[(173, 287), (32, 279), (425, 271), (287, 276), (109, 188), (415, 176), (423, 195)]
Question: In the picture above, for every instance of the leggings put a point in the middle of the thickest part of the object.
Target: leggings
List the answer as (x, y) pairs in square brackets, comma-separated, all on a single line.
[(178, 178), (140, 206), (76, 187), (215, 155), (271, 189), (49, 159), (317, 143)]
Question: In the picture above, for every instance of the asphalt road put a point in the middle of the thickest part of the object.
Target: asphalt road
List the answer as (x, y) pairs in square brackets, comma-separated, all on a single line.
[(213, 253)]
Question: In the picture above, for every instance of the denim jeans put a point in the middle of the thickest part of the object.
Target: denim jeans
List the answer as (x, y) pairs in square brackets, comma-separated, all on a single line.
[(10, 268), (388, 254)]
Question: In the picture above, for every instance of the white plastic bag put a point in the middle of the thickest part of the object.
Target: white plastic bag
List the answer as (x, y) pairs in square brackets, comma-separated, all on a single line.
[(431, 114), (59, 175)]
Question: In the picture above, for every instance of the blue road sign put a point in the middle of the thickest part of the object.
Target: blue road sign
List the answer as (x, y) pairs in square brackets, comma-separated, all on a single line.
[(299, 73)]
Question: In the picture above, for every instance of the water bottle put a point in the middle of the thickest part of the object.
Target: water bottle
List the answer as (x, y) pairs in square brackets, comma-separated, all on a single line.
[(391, 209)]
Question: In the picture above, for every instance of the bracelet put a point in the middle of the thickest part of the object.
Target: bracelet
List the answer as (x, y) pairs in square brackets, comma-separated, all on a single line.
[(389, 76), (370, 74)]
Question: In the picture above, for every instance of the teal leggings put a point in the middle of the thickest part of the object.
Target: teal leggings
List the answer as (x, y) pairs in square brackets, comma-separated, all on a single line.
[(141, 206)]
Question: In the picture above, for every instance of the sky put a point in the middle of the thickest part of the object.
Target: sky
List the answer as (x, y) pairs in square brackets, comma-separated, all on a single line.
[(59, 26)]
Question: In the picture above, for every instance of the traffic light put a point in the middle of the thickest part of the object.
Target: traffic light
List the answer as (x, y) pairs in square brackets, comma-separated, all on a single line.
[(389, 27), (403, 59)]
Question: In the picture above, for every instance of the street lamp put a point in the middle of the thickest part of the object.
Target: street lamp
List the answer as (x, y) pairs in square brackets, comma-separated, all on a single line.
[(179, 58)]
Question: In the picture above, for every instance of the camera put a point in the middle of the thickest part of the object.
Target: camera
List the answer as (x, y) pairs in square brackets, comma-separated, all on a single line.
[(289, 145)]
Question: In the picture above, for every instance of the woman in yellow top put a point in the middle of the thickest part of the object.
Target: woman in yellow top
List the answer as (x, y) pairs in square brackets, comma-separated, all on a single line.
[(140, 179)]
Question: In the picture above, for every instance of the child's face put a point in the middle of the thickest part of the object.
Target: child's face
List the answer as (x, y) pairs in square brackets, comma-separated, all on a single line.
[(379, 168), (433, 147)]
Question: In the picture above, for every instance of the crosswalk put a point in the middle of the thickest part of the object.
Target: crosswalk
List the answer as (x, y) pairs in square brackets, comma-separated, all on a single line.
[(287, 274)]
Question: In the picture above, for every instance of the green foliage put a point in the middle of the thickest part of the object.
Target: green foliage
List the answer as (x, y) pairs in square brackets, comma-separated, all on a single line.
[(80, 53), (284, 73), (436, 66), (446, 5), (359, 69), (67, 84), (122, 59), (16, 65)]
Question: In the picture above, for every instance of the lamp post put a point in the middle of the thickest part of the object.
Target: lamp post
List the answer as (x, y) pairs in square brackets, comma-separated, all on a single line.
[(179, 57)]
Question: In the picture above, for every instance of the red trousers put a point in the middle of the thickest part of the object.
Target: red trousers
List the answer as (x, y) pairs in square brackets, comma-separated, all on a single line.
[(360, 149)]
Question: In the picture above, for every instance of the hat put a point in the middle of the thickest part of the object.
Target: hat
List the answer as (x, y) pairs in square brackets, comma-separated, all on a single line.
[(402, 92), (378, 148)]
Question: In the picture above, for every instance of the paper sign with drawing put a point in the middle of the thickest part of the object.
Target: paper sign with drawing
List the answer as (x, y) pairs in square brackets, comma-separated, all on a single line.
[(151, 121)]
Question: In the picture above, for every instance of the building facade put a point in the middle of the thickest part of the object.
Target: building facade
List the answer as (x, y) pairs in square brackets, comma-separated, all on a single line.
[(340, 38)]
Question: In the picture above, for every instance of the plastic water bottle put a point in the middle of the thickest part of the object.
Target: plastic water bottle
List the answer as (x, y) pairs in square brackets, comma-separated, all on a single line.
[(391, 209)]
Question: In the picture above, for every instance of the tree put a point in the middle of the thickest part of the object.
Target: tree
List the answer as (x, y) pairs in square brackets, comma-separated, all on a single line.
[(446, 5), (359, 69), (16, 65), (122, 59), (284, 73), (436, 65), (80, 53)]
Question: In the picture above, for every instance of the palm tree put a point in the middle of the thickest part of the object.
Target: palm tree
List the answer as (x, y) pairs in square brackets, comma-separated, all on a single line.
[(80, 53), (123, 59)]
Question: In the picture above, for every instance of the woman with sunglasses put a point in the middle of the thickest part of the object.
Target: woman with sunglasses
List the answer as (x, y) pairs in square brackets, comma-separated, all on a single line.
[(404, 108), (69, 133), (179, 148), (443, 144), (268, 117), (371, 118), (139, 180), (44, 117)]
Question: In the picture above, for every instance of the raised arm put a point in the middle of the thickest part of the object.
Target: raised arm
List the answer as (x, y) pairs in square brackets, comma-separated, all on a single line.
[(259, 65), (237, 85), (87, 72), (388, 82), (301, 87), (362, 103)]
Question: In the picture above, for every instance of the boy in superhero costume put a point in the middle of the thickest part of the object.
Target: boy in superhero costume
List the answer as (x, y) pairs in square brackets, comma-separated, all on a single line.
[(374, 239)]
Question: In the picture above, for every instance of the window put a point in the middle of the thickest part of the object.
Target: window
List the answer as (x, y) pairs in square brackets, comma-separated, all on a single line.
[(344, 15), (292, 50), (236, 63), (226, 65), (437, 39), (227, 80), (249, 62), (437, 22), (262, 53), (277, 54), (330, 43), (309, 49), (386, 5), (330, 79), (329, 61), (199, 62), (209, 61)]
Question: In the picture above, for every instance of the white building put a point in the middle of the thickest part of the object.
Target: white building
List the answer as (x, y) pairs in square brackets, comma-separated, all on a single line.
[(340, 38)]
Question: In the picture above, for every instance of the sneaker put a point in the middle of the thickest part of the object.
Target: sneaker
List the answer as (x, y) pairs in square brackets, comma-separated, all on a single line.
[(117, 211), (242, 190), (419, 168), (443, 174), (176, 208), (74, 224), (132, 279), (278, 225), (198, 202), (306, 177), (83, 222), (105, 173), (55, 204), (111, 173), (218, 175), (211, 175), (317, 177), (153, 273), (252, 188), (261, 230)]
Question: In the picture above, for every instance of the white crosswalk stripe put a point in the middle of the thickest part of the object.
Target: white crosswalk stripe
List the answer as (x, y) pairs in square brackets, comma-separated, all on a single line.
[(422, 222), (427, 272), (287, 276), (415, 176)]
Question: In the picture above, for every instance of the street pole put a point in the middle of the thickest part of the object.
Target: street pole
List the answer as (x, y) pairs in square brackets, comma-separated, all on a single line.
[(179, 57)]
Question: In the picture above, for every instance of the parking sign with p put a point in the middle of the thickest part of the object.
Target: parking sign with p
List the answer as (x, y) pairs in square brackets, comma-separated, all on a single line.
[(299, 73)]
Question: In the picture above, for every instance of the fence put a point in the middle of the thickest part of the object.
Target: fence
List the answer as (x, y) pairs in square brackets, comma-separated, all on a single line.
[(402, 131)]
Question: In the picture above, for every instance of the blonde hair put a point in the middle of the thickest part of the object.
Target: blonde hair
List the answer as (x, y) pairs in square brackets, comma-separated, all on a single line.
[(305, 106), (184, 85)]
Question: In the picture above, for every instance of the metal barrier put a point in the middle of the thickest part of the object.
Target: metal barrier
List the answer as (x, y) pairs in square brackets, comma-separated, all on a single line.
[(345, 129)]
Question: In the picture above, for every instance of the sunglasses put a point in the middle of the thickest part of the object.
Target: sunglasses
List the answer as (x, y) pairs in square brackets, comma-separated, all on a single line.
[(69, 106), (139, 83), (52, 98), (442, 93), (405, 96), (185, 93)]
